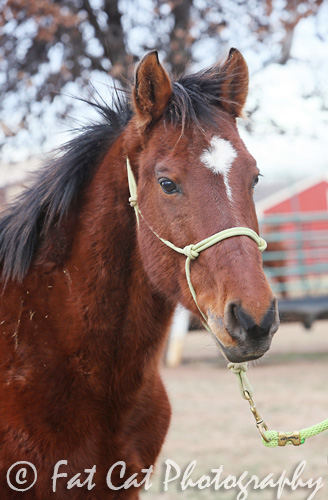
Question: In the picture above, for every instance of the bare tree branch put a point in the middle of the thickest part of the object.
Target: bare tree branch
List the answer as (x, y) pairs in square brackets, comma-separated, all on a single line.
[(44, 44)]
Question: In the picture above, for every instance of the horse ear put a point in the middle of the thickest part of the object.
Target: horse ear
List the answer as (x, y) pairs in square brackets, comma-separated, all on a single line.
[(152, 89), (234, 83)]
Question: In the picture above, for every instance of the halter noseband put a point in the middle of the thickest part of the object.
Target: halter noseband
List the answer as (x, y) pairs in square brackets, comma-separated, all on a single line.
[(192, 251)]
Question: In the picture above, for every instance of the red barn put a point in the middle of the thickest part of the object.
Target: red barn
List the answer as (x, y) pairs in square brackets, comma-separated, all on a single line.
[(294, 221), (309, 195)]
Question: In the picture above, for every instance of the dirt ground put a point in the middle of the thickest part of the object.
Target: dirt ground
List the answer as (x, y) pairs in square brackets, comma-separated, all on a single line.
[(212, 424)]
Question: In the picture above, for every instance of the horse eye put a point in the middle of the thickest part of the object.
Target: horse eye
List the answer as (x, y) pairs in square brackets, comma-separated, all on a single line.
[(168, 186), (255, 181)]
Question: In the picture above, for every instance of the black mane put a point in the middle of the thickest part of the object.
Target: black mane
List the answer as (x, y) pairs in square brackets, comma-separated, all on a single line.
[(55, 187), (194, 99)]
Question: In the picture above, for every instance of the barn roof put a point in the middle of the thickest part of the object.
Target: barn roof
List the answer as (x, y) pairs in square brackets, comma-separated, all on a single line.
[(296, 189)]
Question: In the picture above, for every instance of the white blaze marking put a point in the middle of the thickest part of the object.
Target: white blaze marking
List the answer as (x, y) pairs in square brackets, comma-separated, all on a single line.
[(219, 157)]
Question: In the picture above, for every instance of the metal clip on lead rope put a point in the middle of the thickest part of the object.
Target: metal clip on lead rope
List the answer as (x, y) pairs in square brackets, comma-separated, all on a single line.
[(271, 439)]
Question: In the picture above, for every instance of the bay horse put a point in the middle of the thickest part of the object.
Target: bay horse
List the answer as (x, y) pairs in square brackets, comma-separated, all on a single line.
[(88, 295)]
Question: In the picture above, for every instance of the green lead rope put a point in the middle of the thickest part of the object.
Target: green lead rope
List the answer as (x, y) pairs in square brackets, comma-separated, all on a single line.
[(274, 436), (271, 439)]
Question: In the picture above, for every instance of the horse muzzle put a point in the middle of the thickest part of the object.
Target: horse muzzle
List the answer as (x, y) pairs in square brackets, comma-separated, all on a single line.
[(240, 337)]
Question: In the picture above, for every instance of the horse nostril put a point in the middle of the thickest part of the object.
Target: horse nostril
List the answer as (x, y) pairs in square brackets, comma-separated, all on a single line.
[(239, 323), (273, 316), (232, 322)]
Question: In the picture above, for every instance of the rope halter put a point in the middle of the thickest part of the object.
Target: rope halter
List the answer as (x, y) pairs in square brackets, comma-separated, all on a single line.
[(192, 251), (269, 438)]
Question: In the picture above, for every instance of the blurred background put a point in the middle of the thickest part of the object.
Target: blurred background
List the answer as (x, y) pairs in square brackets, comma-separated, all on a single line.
[(52, 50)]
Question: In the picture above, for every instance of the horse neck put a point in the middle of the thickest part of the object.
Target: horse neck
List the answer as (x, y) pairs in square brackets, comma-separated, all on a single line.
[(112, 290)]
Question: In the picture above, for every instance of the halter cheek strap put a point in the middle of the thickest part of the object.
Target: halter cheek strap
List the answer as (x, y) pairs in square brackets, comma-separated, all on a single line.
[(192, 251)]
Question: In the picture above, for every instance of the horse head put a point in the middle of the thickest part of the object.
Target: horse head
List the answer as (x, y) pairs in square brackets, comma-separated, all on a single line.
[(195, 178)]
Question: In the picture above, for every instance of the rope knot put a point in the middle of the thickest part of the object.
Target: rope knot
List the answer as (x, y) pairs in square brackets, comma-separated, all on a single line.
[(190, 252), (133, 201), (237, 368), (262, 244)]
